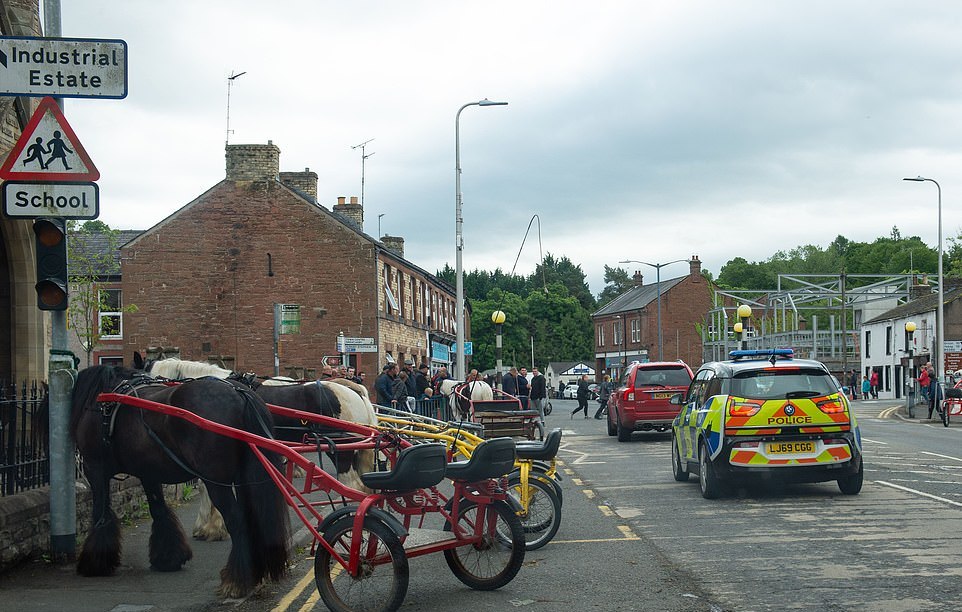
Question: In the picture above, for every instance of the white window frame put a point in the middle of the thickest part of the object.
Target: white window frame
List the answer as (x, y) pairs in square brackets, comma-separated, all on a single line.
[(112, 314)]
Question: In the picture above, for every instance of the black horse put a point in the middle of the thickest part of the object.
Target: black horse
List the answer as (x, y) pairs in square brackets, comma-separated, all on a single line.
[(160, 449)]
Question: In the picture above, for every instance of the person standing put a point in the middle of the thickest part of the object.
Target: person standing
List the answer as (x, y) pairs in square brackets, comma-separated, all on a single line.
[(561, 389), (509, 382), (421, 381), (523, 388), (582, 395), (384, 385), (924, 382), (933, 388), (539, 392), (412, 390), (604, 393), (866, 388), (873, 383), (853, 384), (440, 376)]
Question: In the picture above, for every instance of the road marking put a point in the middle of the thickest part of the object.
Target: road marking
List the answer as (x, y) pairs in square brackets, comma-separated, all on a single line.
[(606, 510), (874, 441), (629, 534), (594, 541), (921, 493), (887, 412), (588, 493), (294, 593), (942, 456)]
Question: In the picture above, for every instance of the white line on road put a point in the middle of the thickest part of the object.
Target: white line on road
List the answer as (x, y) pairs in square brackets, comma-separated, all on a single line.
[(942, 456), (873, 441), (921, 493)]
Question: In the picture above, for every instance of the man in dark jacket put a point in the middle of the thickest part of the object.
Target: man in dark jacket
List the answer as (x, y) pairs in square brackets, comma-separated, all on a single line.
[(539, 391), (523, 388), (583, 393), (421, 381), (509, 382), (384, 385)]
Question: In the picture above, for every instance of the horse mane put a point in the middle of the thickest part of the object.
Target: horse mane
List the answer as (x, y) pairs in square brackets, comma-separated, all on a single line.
[(175, 368), (90, 383)]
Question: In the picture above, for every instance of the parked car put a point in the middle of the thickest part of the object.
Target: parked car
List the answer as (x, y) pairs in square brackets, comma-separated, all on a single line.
[(764, 413), (642, 401), (570, 392)]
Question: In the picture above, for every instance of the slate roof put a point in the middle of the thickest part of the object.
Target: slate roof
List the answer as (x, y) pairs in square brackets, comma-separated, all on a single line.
[(637, 297), (926, 303), (97, 243)]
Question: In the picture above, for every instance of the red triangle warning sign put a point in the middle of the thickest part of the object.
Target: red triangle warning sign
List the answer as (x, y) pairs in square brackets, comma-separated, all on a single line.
[(48, 150)]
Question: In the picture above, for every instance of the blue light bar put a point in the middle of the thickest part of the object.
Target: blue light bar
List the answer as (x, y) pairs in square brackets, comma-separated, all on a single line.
[(762, 353)]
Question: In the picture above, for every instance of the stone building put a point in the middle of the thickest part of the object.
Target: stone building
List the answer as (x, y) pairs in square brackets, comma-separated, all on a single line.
[(685, 301), (206, 280)]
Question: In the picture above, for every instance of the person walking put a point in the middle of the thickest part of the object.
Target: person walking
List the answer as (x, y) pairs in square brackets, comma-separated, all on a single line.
[(873, 382), (523, 388), (924, 382), (604, 394), (866, 388), (384, 385), (539, 392), (509, 382), (933, 388), (583, 393)]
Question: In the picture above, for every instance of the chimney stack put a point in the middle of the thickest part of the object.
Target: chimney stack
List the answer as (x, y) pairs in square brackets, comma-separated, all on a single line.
[(253, 162), (352, 213), (394, 244), (638, 278), (694, 267), (304, 182)]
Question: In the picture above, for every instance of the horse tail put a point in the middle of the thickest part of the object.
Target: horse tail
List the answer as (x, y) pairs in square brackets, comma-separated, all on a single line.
[(263, 503)]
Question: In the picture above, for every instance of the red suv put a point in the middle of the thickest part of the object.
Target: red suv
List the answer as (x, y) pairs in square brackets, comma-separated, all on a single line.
[(642, 403)]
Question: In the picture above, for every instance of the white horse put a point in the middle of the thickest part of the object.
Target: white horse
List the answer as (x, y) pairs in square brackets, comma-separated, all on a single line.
[(336, 397), (457, 395)]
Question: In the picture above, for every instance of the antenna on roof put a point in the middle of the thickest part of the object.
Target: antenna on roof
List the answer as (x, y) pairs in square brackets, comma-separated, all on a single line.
[(363, 157), (230, 81)]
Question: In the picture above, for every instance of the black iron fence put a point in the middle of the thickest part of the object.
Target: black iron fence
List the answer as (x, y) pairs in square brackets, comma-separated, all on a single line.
[(24, 463)]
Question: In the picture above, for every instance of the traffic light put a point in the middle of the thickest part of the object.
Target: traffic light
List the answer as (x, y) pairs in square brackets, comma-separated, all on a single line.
[(51, 264)]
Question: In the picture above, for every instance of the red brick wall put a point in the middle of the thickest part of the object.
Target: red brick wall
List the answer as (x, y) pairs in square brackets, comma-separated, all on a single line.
[(200, 279)]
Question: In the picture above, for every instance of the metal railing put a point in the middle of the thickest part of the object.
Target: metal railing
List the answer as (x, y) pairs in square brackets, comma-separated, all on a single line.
[(24, 419)]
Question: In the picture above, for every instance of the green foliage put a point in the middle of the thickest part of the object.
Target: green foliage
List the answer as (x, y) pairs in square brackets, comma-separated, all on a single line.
[(617, 281)]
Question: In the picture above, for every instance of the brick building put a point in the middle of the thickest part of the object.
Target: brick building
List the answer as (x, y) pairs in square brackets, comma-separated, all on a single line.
[(685, 302), (205, 279)]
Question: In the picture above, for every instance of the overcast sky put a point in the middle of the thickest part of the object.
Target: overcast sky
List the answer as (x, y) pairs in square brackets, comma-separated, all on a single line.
[(634, 130)]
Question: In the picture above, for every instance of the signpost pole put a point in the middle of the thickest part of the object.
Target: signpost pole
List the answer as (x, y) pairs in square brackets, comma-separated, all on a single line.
[(63, 484), (277, 339)]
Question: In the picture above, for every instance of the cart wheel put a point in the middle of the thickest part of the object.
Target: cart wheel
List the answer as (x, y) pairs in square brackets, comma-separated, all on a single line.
[(495, 560), (547, 409), (543, 514), (382, 581), (945, 413)]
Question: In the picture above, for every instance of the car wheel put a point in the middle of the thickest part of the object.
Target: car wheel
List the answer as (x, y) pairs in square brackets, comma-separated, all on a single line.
[(851, 485), (707, 479), (612, 430), (677, 470), (624, 434)]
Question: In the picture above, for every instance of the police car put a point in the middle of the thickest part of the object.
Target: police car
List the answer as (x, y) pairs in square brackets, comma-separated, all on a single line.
[(764, 413)]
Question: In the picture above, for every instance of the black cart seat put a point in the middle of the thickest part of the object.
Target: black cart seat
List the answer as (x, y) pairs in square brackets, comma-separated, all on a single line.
[(541, 451), (417, 467), (491, 459)]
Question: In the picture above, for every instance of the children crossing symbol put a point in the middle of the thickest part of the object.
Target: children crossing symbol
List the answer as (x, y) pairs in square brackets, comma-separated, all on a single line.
[(48, 150)]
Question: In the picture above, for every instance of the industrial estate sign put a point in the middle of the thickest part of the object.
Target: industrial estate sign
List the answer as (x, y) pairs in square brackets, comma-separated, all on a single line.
[(63, 67)]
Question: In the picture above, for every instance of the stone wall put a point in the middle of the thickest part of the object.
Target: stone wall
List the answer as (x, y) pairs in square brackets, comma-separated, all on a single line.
[(25, 518)]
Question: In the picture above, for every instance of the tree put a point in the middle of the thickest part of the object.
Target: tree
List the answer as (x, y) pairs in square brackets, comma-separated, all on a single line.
[(563, 271), (617, 281), (91, 260)]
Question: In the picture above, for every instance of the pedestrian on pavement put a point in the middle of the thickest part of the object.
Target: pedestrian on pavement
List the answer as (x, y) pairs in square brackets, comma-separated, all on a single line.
[(384, 385), (509, 382), (440, 376), (583, 393), (523, 391), (421, 381), (853, 384), (934, 395), (401, 392), (866, 387), (873, 381), (604, 394), (539, 392), (924, 383)]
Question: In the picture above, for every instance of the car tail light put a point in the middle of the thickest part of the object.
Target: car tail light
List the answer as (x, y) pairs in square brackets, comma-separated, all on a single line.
[(743, 408), (831, 406)]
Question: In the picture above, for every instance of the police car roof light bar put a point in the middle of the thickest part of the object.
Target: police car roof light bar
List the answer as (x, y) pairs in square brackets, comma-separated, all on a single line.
[(762, 353)]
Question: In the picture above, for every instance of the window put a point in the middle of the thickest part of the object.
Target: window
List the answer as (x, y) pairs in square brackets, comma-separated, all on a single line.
[(601, 335), (868, 343), (391, 305), (888, 340), (616, 333), (636, 330), (110, 319)]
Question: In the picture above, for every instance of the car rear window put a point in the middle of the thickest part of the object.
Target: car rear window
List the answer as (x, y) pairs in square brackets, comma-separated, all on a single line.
[(662, 377), (785, 383)]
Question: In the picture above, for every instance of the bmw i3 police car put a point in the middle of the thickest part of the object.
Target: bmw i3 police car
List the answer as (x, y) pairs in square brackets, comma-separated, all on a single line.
[(764, 413)]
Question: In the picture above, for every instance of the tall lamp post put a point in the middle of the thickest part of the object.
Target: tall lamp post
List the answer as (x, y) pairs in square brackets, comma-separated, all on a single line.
[(497, 317), (940, 314), (657, 267), (741, 328), (460, 370), (909, 397)]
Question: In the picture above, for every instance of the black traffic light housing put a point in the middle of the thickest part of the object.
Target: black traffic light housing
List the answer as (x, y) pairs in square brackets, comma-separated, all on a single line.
[(51, 263)]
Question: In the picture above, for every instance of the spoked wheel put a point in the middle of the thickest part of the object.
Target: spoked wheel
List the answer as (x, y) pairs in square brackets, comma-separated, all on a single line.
[(495, 560), (547, 408), (542, 517), (382, 581), (945, 413)]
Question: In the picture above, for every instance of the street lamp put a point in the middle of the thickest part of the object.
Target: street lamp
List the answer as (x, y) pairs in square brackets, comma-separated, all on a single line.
[(940, 314), (459, 239), (657, 267), (909, 397), (497, 317)]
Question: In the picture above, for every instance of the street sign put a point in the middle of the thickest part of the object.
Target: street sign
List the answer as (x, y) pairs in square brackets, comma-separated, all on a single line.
[(468, 347), (63, 67), (290, 318), (356, 345), (48, 150), (64, 200)]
